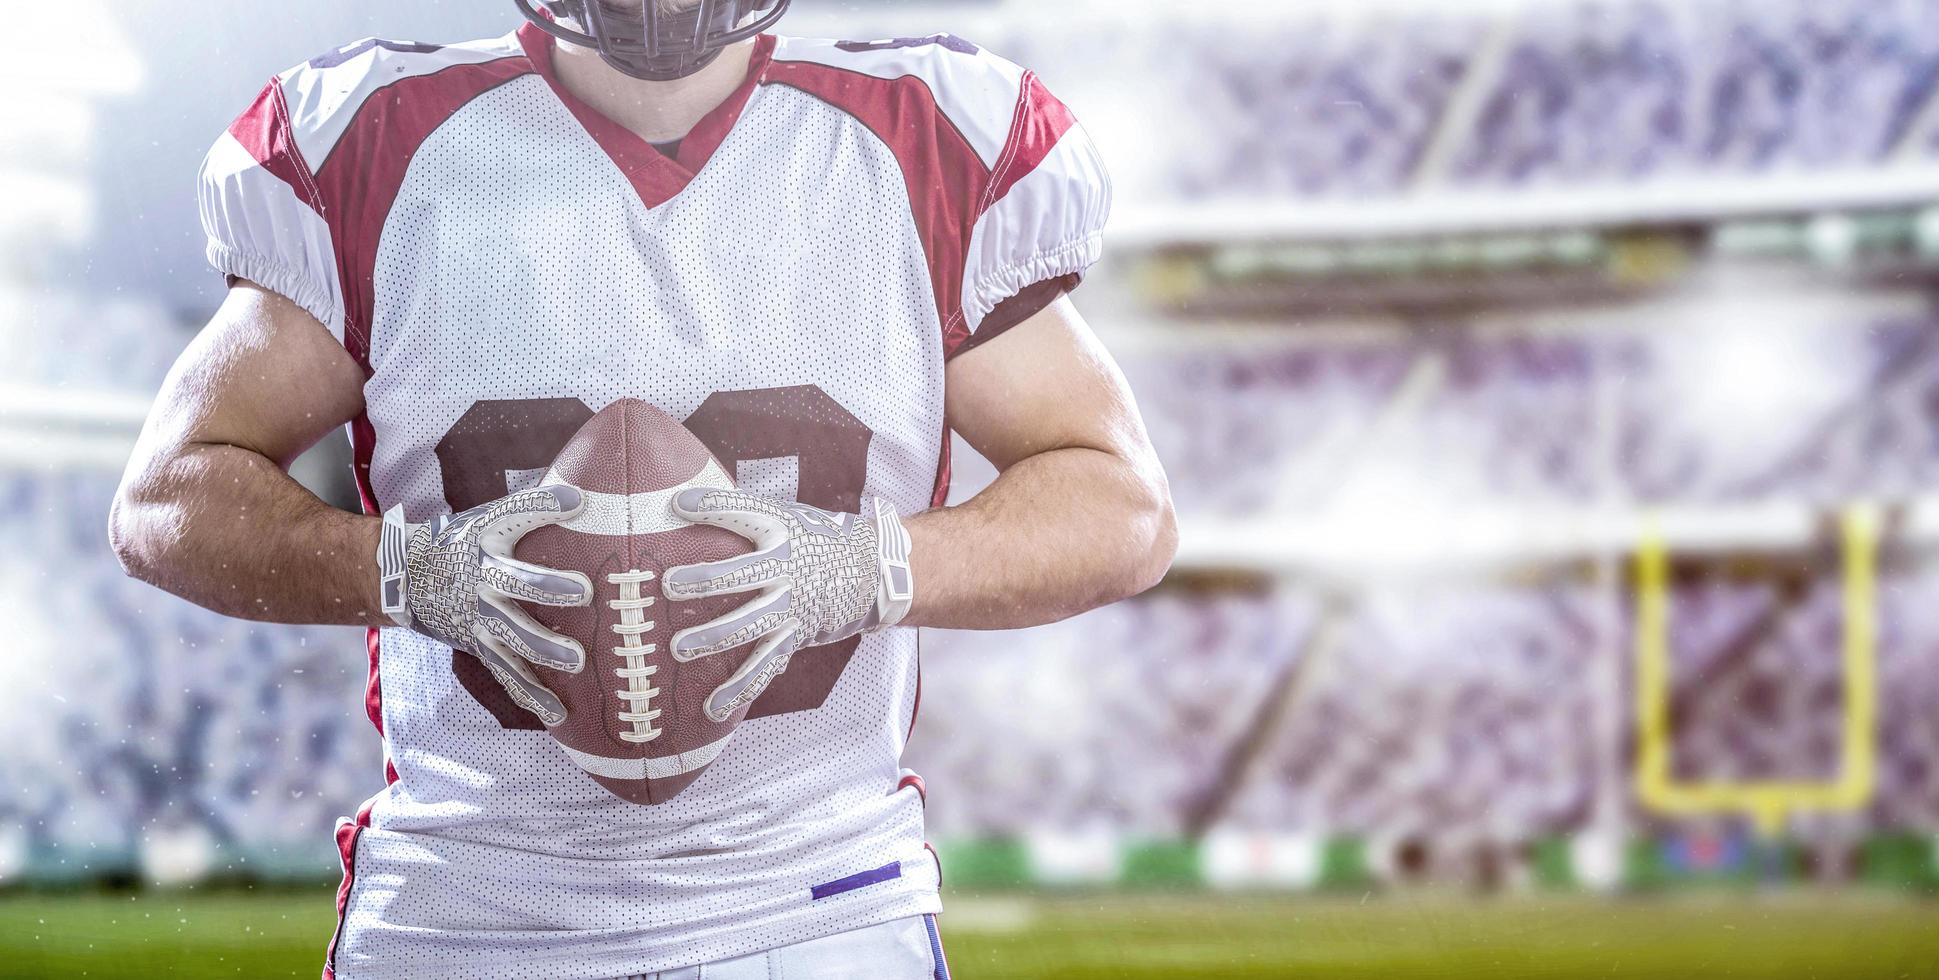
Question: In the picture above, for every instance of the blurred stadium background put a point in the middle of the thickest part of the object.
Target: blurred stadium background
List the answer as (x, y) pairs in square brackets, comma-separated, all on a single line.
[(1550, 392)]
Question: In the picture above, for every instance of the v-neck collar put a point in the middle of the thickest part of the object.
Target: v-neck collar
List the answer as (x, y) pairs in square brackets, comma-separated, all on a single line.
[(655, 176)]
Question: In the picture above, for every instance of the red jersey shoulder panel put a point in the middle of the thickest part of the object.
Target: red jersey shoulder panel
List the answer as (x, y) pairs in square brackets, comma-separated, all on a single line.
[(327, 93), (273, 213), (969, 129), (974, 91)]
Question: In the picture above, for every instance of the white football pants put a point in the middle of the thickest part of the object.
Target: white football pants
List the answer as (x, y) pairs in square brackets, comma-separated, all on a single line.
[(905, 949)]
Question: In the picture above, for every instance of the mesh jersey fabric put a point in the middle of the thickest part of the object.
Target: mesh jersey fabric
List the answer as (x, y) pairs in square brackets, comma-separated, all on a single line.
[(790, 282)]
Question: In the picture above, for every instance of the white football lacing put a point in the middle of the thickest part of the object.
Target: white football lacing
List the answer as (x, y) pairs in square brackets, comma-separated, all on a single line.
[(639, 691)]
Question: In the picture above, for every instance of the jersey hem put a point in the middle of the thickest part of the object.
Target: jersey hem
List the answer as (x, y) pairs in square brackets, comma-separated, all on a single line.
[(774, 934)]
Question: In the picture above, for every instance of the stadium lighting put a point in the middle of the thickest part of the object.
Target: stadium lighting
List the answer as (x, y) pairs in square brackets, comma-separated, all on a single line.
[(1747, 372), (1926, 232), (1597, 860), (45, 129), (105, 65), (43, 207), (1389, 515), (13, 854), (1832, 239), (178, 857), (1750, 372), (52, 118)]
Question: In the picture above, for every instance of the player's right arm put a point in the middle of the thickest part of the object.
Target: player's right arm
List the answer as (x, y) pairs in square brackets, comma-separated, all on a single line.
[(207, 509)]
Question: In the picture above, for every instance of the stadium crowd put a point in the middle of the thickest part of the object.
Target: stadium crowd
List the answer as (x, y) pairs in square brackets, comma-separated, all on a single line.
[(1451, 706), (1435, 707), (1594, 93)]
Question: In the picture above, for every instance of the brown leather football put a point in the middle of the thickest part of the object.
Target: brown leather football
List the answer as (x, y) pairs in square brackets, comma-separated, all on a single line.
[(635, 719)]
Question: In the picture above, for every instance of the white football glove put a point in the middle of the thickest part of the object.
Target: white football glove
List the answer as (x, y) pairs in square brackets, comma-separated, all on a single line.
[(822, 577), (454, 580)]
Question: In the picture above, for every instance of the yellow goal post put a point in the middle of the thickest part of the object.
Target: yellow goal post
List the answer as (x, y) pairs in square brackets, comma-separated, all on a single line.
[(1766, 802)]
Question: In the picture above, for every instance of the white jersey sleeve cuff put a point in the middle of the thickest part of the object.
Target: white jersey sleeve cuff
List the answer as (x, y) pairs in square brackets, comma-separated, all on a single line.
[(279, 279)]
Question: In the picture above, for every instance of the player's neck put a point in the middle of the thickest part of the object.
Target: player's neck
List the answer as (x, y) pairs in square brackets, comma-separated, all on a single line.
[(658, 112)]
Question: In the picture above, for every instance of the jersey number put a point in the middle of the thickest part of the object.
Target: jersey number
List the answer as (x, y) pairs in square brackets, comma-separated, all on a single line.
[(494, 439)]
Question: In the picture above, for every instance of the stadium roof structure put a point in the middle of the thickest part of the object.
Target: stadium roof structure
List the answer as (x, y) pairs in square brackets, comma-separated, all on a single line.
[(1508, 538), (1440, 212), (54, 427)]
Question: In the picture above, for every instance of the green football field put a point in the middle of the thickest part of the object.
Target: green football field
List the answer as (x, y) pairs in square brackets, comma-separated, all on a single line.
[(1821, 935)]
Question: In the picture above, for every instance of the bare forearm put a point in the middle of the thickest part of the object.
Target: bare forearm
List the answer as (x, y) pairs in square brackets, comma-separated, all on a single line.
[(1055, 535), (227, 529)]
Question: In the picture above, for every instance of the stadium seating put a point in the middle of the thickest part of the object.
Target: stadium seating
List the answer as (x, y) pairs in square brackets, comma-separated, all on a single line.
[(1462, 711)]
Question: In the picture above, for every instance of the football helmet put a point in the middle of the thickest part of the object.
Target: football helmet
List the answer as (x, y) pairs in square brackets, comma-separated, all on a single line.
[(646, 39)]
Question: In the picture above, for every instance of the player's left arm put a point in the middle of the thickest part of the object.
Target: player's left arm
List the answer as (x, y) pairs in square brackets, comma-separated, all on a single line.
[(1080, 515)]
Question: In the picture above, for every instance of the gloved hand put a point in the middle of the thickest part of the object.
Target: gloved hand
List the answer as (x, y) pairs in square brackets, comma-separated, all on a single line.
[(821, 576), (454, 580)]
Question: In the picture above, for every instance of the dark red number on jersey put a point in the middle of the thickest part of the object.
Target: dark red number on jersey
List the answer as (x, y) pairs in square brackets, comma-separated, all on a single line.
[(831, 451), (828, 443), (493, 438)]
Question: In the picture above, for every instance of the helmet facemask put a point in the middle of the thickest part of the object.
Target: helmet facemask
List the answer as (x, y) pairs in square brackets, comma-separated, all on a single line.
[(652, 43)]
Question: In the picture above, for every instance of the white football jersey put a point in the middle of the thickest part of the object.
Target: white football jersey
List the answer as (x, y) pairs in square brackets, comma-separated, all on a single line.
[(504, 261)]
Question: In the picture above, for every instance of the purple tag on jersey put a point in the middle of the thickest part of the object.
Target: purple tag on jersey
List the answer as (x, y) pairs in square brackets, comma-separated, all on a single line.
[(861, 879)]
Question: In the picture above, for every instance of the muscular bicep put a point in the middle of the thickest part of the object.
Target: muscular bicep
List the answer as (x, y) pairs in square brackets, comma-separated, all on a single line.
[(1044, 384), (264, 376)]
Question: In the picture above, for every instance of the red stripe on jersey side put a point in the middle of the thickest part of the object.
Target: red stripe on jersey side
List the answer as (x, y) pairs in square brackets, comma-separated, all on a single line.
[(346, 854), (940, 494), (363, 446), (942, 171), (362, 175), (264, 130), (347, 834), (361, 178), (363, 440), (910, 780), (373, 689), (933, 856), (1041, 121), (360, 182)]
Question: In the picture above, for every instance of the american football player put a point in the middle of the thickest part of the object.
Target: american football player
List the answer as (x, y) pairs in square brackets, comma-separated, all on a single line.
[(823, 257)]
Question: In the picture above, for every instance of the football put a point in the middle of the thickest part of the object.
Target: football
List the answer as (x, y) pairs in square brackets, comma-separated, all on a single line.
[(635, 720)]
